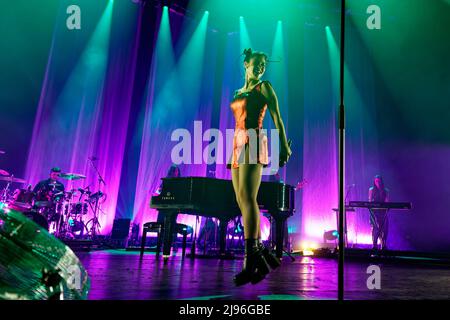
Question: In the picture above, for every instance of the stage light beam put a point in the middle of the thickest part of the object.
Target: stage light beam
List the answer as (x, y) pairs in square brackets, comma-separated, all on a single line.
[(244, 36), (354, 103), (68, 133), (160, 104), (190, 65)]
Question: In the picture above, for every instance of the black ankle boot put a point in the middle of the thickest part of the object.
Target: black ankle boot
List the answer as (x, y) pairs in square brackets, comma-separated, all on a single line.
[(271, 259), (255, 266)]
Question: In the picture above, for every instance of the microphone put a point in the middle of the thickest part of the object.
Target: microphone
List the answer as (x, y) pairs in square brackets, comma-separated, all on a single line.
[(93, 158)]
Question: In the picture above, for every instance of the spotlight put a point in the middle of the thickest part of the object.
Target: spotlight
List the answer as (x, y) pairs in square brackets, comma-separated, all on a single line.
[(308, 248), (165, 3), (330, 235), (140, 2)]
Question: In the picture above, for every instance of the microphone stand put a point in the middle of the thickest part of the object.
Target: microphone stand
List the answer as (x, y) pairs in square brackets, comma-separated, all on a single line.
[(4, 197), (95, 222), (341, 121)]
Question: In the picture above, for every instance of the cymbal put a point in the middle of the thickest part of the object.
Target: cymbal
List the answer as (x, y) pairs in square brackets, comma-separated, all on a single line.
[(72, 176), (2, 152), (4, 173), (12, 180), (40, 266)]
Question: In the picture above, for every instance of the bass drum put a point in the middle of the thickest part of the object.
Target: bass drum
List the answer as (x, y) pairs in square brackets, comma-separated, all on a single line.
[(76, 228)]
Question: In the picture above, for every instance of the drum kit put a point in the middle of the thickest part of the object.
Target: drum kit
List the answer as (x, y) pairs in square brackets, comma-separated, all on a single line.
[(62, 213)]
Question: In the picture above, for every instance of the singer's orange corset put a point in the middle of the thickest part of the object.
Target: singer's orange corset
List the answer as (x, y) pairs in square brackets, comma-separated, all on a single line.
[(249, 109)]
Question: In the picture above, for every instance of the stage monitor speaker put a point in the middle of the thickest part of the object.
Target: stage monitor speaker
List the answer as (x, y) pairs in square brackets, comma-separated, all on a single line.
[(121, 229)]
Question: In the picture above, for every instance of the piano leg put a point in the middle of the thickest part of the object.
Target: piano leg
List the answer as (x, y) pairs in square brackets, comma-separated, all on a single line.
[(184, 245), (159, 241), (223, 224), (143, 240), (168, 235), (279, 233)]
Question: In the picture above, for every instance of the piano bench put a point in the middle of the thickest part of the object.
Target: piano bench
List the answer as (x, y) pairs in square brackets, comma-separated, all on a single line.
[(158, 227)]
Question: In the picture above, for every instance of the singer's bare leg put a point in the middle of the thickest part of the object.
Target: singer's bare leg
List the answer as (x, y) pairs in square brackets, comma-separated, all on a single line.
[(246, 181)]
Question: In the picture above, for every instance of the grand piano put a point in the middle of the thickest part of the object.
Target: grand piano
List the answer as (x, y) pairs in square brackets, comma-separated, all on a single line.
[(210, 197)]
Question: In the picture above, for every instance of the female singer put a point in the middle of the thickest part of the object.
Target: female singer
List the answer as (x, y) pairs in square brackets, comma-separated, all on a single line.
[(249, 106)]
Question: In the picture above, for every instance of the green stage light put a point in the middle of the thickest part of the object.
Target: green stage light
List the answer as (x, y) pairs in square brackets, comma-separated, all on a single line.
[(354, 101), (92, 63), (164, 72), (334, 58), (277, 71), (183, 76), (164, 56), (244, 36), (278, 42)]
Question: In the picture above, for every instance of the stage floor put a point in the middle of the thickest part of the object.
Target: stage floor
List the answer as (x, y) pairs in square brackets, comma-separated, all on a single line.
[(121, 275)]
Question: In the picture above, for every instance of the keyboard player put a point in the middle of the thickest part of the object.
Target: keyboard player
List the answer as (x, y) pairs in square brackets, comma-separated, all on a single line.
[(379, 217)]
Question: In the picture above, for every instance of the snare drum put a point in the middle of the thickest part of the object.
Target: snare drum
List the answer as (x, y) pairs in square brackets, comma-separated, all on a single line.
[(42, 200)]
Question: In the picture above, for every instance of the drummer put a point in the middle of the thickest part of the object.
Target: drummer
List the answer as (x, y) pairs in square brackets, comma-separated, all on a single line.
[(50, 186)]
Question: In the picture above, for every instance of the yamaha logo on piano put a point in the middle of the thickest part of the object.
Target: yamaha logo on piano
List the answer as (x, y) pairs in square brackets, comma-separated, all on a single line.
[(168, 196)]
